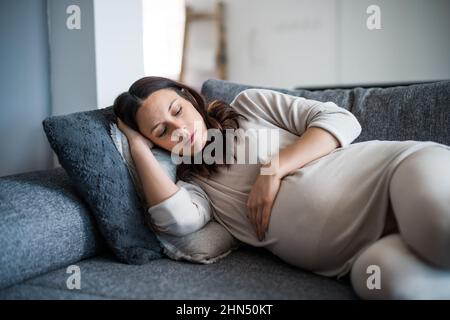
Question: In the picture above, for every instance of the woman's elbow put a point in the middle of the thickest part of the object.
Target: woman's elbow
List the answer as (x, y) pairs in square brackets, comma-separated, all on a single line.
[(185, 228), (357, 127)]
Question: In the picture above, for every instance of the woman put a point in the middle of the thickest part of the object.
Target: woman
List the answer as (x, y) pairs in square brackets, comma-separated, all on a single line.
[(328, 206)]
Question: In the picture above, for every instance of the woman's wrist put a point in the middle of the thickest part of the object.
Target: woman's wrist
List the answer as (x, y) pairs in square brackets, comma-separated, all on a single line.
[(272, 168)]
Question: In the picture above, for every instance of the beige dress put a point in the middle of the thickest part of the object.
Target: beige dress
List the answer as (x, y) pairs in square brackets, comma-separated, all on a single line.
[(325, 213)]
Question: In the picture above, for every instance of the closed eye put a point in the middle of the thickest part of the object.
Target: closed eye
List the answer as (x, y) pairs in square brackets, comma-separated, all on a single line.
[(164, 131)]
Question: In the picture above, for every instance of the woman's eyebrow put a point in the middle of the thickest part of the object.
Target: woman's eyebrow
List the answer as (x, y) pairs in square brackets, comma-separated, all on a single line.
[(170, 106)]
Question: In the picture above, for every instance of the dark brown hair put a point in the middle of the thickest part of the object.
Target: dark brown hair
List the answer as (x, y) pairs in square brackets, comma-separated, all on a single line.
[(217, 115)]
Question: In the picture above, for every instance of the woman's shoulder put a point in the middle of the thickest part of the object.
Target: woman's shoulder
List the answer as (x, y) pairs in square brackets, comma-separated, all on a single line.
[(263, 99), (252, 93), (249, 101)]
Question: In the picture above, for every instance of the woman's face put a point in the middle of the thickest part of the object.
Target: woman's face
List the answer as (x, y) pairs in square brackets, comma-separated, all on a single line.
[(163, 114)]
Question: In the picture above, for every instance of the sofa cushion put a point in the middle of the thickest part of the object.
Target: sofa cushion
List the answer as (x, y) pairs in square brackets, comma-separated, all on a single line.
[(248, 273), (86, 151), (44, 225), (415, 112)]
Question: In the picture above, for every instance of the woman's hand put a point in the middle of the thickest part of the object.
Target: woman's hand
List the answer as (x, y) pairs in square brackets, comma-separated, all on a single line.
[(260, 202), (132, 135)]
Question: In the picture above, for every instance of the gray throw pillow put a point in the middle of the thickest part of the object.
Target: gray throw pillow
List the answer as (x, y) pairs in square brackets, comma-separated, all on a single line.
[(207, 245), (85, 150)]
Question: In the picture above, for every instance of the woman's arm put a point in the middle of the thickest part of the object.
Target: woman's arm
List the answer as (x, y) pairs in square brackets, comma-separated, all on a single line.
[(297, 114), (186, 211), (321, 127), (313, 144), (176, 209), (156, 183)]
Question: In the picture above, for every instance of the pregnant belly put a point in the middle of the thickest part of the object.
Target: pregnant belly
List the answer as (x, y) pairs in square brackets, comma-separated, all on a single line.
[(296, 222), (313, 219), (330, 209)]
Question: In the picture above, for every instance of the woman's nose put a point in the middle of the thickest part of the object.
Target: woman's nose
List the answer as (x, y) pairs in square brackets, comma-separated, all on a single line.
[(181, 131)]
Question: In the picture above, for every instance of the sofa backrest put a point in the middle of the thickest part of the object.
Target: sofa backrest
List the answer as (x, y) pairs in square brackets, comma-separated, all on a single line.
[(416, 112)]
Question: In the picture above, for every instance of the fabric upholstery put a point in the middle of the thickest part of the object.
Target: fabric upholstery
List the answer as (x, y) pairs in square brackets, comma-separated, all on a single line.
[(248, 273), (86, 151), (44, 225)]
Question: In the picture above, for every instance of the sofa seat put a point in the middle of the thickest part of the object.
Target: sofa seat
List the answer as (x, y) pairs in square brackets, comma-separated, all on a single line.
[(247, 273)]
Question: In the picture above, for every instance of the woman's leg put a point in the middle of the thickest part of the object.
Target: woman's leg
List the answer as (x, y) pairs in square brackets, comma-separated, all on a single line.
[(402, 274), (414, 263), (420, 198)]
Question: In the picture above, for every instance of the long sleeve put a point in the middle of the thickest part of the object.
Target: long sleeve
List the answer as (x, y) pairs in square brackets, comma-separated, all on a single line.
[(186, 211), (297, 114)]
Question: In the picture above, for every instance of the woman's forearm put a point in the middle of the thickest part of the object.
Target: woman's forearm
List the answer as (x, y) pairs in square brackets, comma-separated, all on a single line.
[(314, 143), (156, 183)]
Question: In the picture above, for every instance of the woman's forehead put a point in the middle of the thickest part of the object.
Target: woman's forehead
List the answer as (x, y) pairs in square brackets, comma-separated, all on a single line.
[(155, 106), (160, 96)]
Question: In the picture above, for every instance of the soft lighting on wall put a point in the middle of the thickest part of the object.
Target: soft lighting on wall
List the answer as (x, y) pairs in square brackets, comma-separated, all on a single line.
[(163, 31)]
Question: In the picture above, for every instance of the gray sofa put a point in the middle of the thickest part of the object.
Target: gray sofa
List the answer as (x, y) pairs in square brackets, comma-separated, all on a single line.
[(45, 226)]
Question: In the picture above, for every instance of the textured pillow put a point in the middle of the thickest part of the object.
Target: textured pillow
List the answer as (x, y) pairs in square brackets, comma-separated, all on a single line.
[(85, 150), (207, 245)]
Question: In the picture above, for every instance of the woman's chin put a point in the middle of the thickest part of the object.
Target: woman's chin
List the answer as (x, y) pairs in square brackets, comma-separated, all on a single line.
[(192, 152), (196, 148)]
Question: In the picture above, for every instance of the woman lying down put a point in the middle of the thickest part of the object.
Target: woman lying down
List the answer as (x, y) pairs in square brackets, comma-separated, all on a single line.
[(316, 201)]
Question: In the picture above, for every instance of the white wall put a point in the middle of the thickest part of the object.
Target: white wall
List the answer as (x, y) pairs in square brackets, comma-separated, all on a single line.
[(163, 23), (413, 44), (119, 52), (281, 43), (90, 66), (49, 69), (289, 43)]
